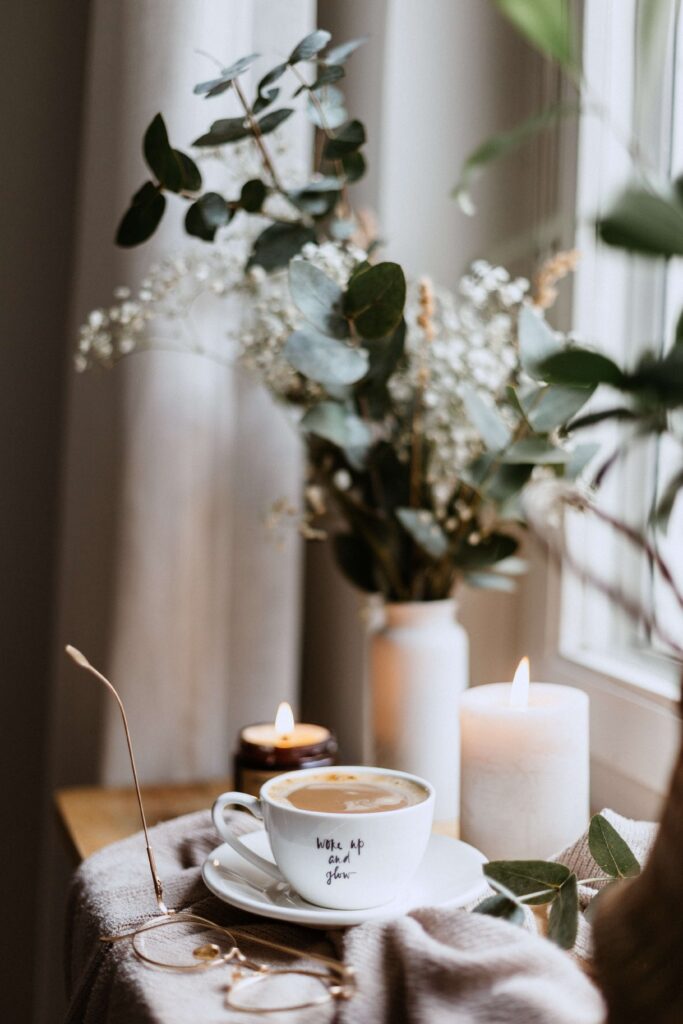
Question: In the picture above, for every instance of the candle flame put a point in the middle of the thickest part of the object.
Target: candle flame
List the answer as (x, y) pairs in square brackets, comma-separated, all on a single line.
[(519, 694), (284, 720)]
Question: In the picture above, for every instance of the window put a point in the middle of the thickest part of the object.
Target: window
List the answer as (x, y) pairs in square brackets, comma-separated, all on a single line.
[(634, 66)]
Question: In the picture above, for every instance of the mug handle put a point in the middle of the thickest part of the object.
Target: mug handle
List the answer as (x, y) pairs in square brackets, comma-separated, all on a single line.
[(253, 805)]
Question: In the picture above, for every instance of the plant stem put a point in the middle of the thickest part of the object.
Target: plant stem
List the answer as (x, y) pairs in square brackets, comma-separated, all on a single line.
[(258, 138)]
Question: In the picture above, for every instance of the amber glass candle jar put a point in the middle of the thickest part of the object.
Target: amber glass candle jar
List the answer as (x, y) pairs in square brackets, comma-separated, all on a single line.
[(268, 749)]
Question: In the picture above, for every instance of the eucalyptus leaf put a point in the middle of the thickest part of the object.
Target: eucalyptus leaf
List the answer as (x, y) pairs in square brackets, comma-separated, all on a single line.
[(314, 201), (354, 166), (486, 419), (609, 850), (319, 298), (253, 194), (375, 299), (191, 178), (552, 407), (644, 222), (501, 145), (489, 581), (326, 75), (340, 53), (355, 559), (535, 451), (523, 877), (492, 549), (309, 46), (268, 79), (142, 218), (506, 481), (276, 246), (662, 512), (329, 109), (536, 341), (563, 919), (425, 530), (545, 24), (579, 458), (501, 906), (227, 129), (206, 215), (333, 422), (323, 359), (580, 367), (216, 86), (173, 170), (347, 139), (269, 122)]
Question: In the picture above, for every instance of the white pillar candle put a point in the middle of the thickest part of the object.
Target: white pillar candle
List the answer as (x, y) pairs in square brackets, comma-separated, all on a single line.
[(525, 767)]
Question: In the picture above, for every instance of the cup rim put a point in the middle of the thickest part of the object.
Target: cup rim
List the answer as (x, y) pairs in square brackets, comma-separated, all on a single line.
[(343, 815)]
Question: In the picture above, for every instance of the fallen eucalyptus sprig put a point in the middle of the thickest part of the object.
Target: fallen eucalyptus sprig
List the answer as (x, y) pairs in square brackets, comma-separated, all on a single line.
[(520, 883)]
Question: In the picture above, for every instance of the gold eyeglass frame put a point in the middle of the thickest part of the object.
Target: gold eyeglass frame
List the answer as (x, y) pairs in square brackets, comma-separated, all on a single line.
[(337, 979)]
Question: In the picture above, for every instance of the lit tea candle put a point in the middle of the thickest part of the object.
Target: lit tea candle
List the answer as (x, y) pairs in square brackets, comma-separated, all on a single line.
[(268, 749), (525, 767)]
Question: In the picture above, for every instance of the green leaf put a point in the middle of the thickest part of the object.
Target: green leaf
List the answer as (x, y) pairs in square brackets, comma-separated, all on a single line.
[(319, 298), (506, 481), (522, 877), (346, 139), (161, 158), (354, 166), (323, 359), (375, 299), (535, 451), (563, 919), (548, 408), (501, 906), (545, 24), (486, 419), (385, 354), (209, 213), (253, 195), (142, 218), (326, 75), (501, 145), (644, 222), (268, 79), (339, 54), (537, 341), (269, 122), (314, 201), (330, 110), (494, 548), (334, 423), (218, 85), (579, 367), (276, 246), (489, 581), (425, 531), (191, 178), (609, 850), (579, 459), (309, 46), (355, 559), (227, 129), (678, 336), (665, 505)]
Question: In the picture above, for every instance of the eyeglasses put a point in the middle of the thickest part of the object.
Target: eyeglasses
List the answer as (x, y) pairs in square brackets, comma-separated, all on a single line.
[(187, 943)]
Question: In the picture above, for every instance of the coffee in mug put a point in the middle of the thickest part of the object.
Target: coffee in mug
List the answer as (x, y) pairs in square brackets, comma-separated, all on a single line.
[(349, 793), (349, 838)]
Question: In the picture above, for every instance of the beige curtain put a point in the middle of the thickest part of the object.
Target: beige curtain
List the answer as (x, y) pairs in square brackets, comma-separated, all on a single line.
[(170, 580)]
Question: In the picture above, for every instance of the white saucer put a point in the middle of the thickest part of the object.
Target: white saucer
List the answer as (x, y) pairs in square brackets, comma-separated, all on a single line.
[(450, 875)]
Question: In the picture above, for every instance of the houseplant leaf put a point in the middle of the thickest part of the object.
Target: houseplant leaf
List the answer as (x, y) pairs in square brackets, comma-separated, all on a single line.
[(276, 246), (609, 850), (309, 46), (375, 299), (206, 215), (218, 85), (347, 139), (324, 359), (141, 219), (318, 297)]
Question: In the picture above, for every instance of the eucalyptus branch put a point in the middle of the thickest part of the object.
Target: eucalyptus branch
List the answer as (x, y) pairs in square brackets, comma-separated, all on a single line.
[(258, 139)]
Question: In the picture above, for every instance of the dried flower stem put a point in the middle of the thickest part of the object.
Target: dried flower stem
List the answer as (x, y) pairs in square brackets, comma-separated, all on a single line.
[(258, 138), (425, 322), (551, 271)]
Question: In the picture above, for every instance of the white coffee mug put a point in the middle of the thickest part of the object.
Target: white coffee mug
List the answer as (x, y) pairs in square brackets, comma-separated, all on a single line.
[(338, 860)]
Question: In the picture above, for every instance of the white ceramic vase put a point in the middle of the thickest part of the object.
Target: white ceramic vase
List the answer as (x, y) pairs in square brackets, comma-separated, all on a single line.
[(419, 666)]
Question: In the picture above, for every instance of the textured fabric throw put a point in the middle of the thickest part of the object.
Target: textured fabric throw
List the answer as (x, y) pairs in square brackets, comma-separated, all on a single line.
[(434, 965)]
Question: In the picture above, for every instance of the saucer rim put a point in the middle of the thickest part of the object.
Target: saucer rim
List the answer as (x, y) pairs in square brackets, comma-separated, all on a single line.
[(328, 917)]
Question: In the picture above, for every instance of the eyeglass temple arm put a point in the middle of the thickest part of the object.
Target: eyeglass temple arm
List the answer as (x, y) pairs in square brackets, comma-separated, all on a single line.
[(83, 662)]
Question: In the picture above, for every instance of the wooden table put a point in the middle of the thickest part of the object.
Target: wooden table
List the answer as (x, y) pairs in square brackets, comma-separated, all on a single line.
[(94, 816)]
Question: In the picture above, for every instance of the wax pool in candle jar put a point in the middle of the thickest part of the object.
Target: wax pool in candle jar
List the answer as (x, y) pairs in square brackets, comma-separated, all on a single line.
[(268, 749), (525, 767)]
